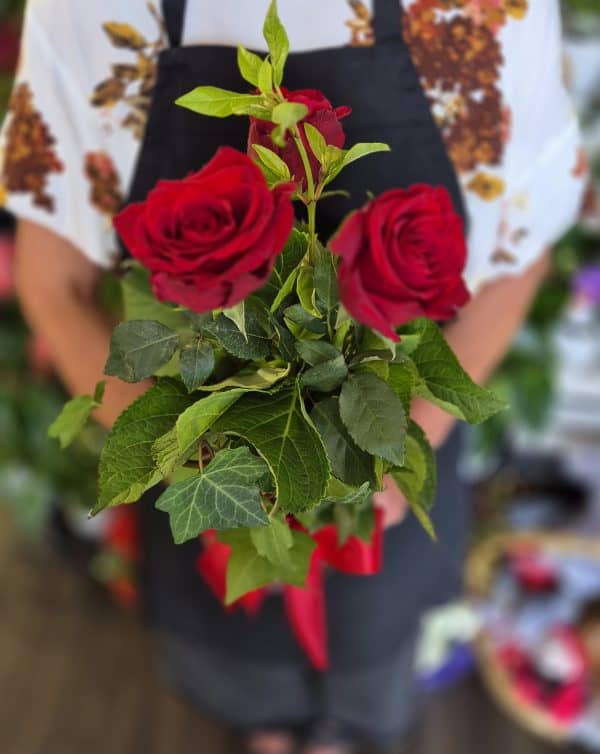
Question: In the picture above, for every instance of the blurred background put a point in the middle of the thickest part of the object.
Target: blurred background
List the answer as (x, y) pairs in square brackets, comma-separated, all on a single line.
[(515, 665)]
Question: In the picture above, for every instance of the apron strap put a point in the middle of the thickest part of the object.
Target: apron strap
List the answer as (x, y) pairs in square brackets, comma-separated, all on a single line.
[(174, 14), (387, 19)]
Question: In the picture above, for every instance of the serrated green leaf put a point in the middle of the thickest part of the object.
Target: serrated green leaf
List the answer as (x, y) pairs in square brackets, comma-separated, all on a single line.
[(348, 461), (277, 427), (326, 284), (374, 416), (401, 378), (249, 65), (237, 314), (74, 416), (325, 377), (127, 468), (254, 345), (224, 496), (139, 348), (277, 41), (316, 351), (316, 141), (196, 363), (418, 477), (221, 103), (167, 454), (442, 379), (340, 493), (140, 303), (274, 168), (196, 419), (298, 316), (287, 262), (274, 542), (247, 570)]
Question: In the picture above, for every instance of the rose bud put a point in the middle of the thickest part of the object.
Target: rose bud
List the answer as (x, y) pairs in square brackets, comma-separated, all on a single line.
[(321, 114), (402, 257), (212, 238)]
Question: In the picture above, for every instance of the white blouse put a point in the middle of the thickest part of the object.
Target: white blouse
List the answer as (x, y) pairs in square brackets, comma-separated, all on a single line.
[(491, 69)]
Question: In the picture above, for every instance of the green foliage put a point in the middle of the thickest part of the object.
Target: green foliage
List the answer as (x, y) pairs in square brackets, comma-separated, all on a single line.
[(254, 344), (74, 415), (249, 64), (277, 39), (221, 103), (139, 348), (139, 301), (196, 363), (225, 495)]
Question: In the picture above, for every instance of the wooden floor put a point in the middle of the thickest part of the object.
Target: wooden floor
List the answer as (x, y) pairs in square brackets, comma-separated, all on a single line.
[(76, 677)]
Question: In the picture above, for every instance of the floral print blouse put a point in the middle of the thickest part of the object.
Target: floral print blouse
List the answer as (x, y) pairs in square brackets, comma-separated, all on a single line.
[(491, 70)]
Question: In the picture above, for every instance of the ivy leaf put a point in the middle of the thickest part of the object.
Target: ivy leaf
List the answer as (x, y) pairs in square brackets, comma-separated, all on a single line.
[(348, 461), (274, 168), (196, 419), (139, 348), (247, 570), (327, 376), (418, 477), (221, 103), (287, 262), (442, 379), (277, 41), (74, 416), (254, 345), (249, 65), (224, 496), (127, 468), (196, 363), (140, 303), (374, 417), (276, 425), (316, 351), (274, 542)]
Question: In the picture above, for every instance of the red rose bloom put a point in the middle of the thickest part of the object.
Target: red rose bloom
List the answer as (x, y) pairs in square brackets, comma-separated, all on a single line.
[(211, 239), (321, 114), (402, 257)]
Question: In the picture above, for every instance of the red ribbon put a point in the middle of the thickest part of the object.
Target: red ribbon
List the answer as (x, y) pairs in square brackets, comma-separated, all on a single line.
[(305, 606)]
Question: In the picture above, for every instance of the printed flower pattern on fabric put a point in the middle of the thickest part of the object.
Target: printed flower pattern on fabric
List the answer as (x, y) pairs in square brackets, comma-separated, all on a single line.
[(131, 84), (360, 25), (105, 192), (455, 47), (30, 156)]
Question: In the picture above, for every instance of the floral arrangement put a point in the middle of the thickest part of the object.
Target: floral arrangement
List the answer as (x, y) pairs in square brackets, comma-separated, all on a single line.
[(284, 369)]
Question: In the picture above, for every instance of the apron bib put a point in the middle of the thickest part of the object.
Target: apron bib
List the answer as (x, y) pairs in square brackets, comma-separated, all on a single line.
[(369, 618)]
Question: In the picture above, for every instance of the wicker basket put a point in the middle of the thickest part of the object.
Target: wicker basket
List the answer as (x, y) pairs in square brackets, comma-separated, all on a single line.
[(479, 572)]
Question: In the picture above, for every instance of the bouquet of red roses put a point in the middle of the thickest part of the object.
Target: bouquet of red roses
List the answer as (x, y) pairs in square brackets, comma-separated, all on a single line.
[(285, 368)]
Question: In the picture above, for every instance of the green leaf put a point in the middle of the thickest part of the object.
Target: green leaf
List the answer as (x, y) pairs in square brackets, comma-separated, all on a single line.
[(325, 377), (442, 379), (139, 348), (221, 103), (316, 141), (374, 417), (196, 419), (252, 378), (305, 288), (326, 284), (237, 314), (277, 41), (140, 303), (254, 345), (74, 416), (196, 363), (274, 168), (276, 425), (340, 493), (166, 453), (297, 315), (247, 570), (418, 477), (401, 378), (287, 262), (316, 351), (265, 77), (225, 496), (357, 152), (274, 542), (289, 114), (348, 461), (249, 65), (127, 468)]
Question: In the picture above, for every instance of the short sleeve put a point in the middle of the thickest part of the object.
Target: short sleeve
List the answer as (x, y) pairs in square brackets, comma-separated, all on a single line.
[(57, 167)]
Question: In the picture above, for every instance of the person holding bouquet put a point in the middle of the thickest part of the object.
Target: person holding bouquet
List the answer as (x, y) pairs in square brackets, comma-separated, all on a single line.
[(469, 96)]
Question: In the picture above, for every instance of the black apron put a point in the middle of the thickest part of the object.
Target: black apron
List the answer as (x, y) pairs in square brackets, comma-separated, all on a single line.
[(250, 670)]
